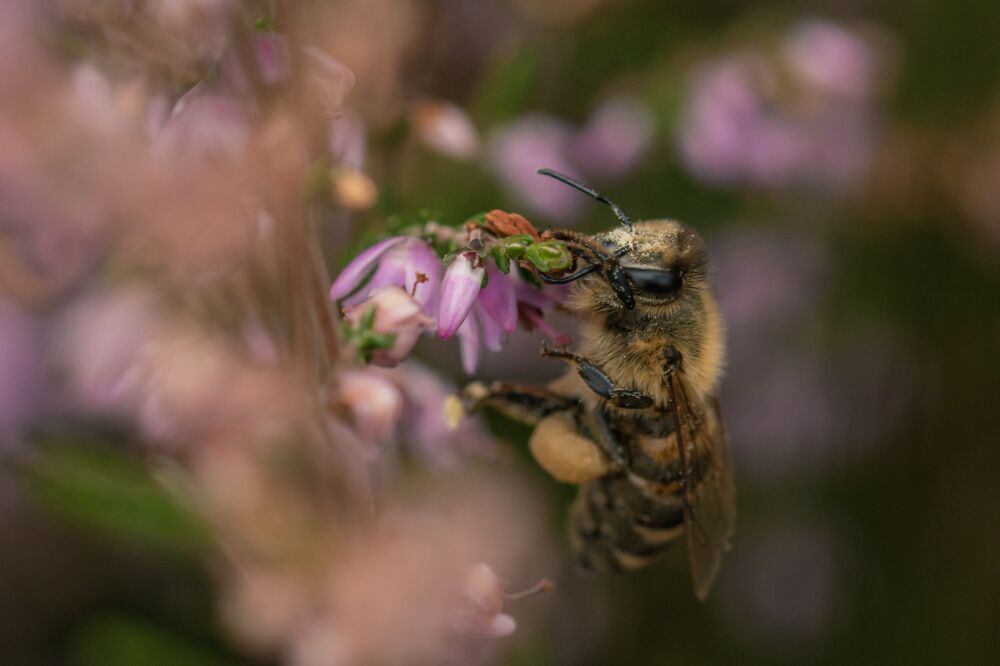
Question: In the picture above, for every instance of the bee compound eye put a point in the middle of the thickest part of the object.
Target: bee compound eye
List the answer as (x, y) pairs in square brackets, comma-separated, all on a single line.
[(656, 283)]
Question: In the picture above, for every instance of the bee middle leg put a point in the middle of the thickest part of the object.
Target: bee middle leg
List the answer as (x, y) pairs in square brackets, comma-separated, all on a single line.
[(599, 382), (524, 403)]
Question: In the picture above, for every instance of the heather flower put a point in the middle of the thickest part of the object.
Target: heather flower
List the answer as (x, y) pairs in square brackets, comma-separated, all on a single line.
[(492, 316), (516, 151), (446, 128), (375, 403), (206, 125), (202, 24), (347, 141), (616, 136), (394, 319), (831, 58), (423, 427), (98, 341), (401, 261), (485, 596), (459, 289), (475, 300), (329, 80), (269, 56), (498, 299), (744, 125), (609, 145)]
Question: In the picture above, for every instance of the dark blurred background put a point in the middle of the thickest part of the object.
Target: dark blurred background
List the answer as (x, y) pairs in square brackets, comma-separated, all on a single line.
[(843, 161)]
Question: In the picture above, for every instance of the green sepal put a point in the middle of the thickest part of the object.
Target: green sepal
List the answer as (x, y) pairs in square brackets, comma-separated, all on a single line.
[(500, 259), (549, 256)]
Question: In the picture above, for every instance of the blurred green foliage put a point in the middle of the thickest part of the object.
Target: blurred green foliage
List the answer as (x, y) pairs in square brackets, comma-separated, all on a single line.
[(124, 641), (102, 489)]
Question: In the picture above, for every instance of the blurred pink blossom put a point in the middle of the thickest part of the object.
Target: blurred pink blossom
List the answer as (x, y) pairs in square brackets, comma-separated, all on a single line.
[(203, 25), (408, 579), (21, 370), (831, 57), (206, 125), (423, 426), (743, 126), (329, 79), (396, 314), (766, 277), (375, 403), (614, 139), (98, 342), (190, 386), (347, 140), (516, 151), (270, 59), (484, 614), (609, 145), (446, 128)]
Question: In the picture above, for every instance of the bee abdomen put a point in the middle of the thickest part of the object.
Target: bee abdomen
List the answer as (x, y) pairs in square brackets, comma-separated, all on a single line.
[(617, 525)]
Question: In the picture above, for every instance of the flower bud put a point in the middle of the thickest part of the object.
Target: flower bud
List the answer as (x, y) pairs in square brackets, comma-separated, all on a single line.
[(549, 256), (459, 289)]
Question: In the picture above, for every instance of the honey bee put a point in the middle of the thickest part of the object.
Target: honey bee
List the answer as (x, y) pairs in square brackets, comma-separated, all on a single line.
[(635, 423)]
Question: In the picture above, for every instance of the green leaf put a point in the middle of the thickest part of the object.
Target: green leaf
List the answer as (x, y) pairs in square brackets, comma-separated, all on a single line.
[(380, 341), (115, 640), (102, 489), (368, 319)]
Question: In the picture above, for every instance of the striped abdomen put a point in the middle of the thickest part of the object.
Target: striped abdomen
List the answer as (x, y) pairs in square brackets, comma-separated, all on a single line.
[(621, 522)]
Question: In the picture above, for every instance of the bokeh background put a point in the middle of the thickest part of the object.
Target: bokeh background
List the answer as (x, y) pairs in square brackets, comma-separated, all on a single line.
[(841, 158)]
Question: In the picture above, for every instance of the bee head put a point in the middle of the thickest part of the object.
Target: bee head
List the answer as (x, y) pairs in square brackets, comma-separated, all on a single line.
[(651, 263), (664, 259)]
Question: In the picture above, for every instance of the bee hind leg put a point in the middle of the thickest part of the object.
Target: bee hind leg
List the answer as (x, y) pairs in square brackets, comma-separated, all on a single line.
[(599, 382)]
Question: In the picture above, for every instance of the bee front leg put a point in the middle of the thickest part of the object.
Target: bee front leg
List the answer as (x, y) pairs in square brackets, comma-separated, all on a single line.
[(599, 382), (524, 403)]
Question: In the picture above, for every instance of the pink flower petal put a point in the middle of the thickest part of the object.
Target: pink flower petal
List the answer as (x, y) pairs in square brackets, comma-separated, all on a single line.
[(358, 268), (468, 337), (459, 289), (423, 259), (501, 625), (492, 333), (498, 299)]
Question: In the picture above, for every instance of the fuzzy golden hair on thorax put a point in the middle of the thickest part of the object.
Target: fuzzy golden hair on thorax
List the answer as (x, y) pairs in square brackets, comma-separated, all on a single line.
[(631, 343)]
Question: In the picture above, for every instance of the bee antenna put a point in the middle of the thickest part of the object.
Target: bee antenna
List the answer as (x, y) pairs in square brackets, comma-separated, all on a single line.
[(589, 191)]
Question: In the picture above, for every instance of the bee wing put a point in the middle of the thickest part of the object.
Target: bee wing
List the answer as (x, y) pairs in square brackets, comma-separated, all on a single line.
[(709, 492)]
